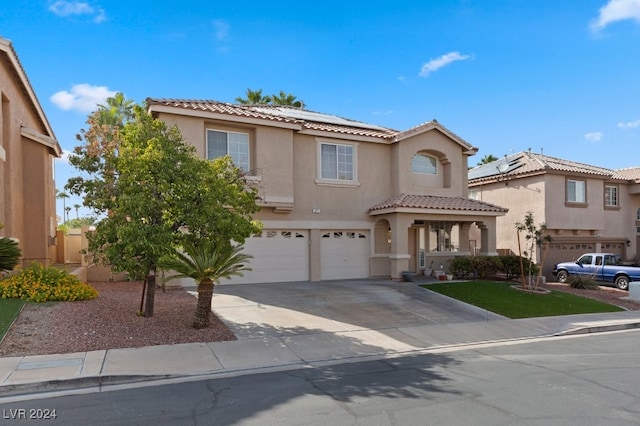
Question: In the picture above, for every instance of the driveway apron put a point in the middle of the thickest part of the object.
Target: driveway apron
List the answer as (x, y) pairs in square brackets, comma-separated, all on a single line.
[(302, 308)]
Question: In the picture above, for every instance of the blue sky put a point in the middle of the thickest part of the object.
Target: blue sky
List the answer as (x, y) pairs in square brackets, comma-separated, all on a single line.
[(560, 77)]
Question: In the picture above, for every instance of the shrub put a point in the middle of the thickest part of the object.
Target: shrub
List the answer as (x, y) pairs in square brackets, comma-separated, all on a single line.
[(461, 266), (510, 266), (582, 282), (39, 283), (9, 254), (485, 266)]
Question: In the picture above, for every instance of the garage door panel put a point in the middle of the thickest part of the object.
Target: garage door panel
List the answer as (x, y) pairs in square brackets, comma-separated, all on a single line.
[(344, 254), (278, 256)]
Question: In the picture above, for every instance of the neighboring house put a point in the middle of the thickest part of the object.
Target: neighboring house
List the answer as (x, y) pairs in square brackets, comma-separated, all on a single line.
[(27, 151), (585, 208), (339, 198)]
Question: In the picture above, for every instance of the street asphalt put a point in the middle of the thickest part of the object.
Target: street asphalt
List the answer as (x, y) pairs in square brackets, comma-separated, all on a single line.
[(301, 324)]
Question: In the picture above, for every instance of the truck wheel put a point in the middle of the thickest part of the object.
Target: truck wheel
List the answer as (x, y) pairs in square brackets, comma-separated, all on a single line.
[(622, 282), (562, 276)]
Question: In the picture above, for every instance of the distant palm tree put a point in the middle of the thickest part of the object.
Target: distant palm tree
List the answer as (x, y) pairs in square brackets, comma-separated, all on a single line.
[(77, 206), (67, 210), (254, 97), (63, 196), (206, 263), (286, 99), (489, 158)]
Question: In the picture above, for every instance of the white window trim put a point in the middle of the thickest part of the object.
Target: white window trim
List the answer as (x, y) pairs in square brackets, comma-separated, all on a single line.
[(584, 184), (336, 182), (206, 144), (617, 193)]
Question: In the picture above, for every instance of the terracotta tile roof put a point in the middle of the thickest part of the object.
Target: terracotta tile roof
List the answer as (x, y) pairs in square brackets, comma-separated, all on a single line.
[(437, 203), (631, 173), (531, 163), (307, 120)]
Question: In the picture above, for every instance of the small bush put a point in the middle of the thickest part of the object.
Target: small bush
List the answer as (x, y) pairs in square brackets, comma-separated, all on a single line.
[(485, 266), (39, 283), (461, 266), (585, 283)]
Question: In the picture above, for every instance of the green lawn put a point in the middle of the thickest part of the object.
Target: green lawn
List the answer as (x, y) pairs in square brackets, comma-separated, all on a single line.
[(9, 310), (500, 298)]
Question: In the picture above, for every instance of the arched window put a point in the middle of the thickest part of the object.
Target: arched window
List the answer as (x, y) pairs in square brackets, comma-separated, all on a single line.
[(424, 164)]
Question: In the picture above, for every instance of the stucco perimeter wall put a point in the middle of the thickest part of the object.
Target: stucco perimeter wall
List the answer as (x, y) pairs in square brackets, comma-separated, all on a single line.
[(451, 179)]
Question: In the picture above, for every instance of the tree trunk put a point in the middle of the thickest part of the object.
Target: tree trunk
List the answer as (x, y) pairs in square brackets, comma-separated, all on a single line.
[(203, 310), (151, 292)]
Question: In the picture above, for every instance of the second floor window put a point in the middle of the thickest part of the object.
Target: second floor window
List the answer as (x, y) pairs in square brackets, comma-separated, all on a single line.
[(234, 144), (576, 191), (337, 162), (424, 164), (610, 196)]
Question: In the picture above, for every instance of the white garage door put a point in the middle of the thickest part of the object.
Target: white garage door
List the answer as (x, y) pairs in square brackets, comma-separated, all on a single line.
[(344, 254), (278, 256)]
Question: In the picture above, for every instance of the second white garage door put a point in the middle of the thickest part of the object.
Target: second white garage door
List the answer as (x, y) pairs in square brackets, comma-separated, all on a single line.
[(344, 254), (278, 256)]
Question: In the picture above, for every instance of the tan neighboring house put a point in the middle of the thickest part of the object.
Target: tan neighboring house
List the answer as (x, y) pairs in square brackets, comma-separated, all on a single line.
[(585, 208), (341, 199), (27, 151)]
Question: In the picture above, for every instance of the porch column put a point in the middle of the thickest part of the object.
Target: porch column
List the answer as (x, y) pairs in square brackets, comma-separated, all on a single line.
[(399, 257), (464, 237), (488, 237)]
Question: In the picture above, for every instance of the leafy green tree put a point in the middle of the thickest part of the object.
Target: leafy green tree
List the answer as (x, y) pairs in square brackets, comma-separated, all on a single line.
[(535, 236), (254, 97), (9, 253), (206, 263), (286, 99), (155, 193)]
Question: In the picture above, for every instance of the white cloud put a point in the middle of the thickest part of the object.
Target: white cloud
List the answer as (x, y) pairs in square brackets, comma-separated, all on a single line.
[(444, 60), (82, 97), (64, 158), (629, 124), (221, 29), (593, 136), (72, 8), (616, 10)]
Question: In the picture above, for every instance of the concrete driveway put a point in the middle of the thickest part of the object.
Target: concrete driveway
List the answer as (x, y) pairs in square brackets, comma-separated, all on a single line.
[(300, 308)]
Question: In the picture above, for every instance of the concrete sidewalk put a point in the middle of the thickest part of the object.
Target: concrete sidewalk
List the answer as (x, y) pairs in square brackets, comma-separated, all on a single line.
[(316, 340)]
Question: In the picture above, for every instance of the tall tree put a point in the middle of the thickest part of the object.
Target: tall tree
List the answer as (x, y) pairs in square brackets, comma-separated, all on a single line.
[(77, 206), (206, 262), (286, 99), (489, 158), (62, 196), (150, 186), (254, 97)]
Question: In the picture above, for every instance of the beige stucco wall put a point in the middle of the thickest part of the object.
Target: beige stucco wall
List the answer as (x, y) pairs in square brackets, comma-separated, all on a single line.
[(28, 199)]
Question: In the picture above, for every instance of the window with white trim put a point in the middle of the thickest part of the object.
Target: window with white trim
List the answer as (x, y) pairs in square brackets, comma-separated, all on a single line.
[(234, 144), (576, 191), (427, 164), (337, 162), (610, 196)]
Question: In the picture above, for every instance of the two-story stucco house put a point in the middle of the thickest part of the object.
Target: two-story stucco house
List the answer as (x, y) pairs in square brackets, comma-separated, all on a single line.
[(27, 150), (585, 208), (339, 198)]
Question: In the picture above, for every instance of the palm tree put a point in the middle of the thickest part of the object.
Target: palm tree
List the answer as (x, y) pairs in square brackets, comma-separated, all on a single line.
[(254, 97), (67, 210), (489, 158), (286, 99), (206, 262), (77, 206), (63, 196)]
